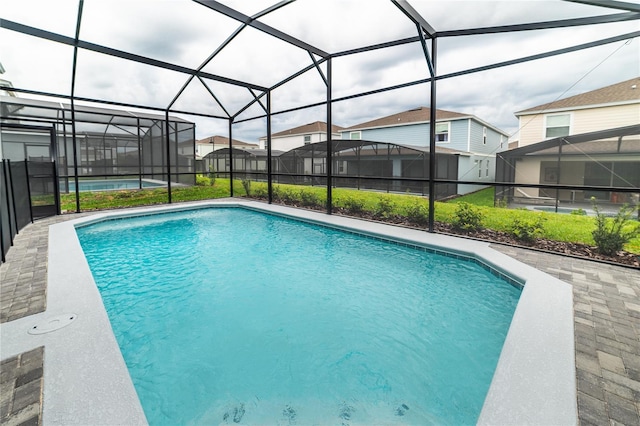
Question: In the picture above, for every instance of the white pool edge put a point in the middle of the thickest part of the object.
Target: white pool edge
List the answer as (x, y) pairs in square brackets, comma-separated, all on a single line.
[(86, 380)]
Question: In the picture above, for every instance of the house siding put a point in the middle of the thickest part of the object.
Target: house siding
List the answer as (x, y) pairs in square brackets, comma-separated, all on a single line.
[(416, 135), (532, 127), (476, 144), (286, 143), (589, 120), (413, 134), (458, 137)]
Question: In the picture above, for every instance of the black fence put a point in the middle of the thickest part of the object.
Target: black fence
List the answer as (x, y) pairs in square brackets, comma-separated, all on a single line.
[(28, 191)]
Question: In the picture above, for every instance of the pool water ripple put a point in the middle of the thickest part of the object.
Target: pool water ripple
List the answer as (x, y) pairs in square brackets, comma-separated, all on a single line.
[(221, 309)]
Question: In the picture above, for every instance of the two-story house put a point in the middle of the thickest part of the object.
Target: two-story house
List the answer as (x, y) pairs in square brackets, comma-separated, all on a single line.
[(472, 141), (590, 139), (300, 136)]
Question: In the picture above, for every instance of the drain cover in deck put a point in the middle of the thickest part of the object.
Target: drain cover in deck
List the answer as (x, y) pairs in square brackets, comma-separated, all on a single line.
[(52, 324)]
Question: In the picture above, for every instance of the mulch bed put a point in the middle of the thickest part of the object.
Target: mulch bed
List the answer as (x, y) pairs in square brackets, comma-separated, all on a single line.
[(584, 251)]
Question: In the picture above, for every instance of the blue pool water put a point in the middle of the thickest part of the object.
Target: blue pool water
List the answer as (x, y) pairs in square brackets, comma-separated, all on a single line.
[(227, 315), (108, 185), (565, 210)]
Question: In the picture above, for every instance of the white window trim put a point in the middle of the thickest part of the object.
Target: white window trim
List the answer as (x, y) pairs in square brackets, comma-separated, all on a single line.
[(357, 133), (448, 123), (484, 135), (544, 128)]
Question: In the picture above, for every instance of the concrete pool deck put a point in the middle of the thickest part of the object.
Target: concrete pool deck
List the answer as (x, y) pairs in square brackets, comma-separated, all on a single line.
[(605, 320)]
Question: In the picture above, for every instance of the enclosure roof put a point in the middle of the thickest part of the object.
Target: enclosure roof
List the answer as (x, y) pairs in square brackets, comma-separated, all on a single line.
[(439, 150), (38, 104), (244, 152), (628, 146), (624, 92), (182, 56), (222, 140), (339, 145), (315, 127), (568, 141)]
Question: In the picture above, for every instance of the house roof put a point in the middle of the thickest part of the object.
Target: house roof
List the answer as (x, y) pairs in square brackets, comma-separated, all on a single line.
[(315, 127), (221, 140), (620, 93), (416, 115)]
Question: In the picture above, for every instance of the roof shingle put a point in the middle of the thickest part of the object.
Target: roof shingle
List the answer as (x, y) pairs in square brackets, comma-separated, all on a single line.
[(220, 140), (625, 91), (315, 127), (417, 115)]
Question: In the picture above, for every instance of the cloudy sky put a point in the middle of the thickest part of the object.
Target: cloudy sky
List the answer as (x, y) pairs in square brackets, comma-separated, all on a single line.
[(186, 33)]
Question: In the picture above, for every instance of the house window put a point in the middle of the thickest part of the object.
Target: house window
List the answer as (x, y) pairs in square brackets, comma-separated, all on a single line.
[(355, 135), (557, 125), (479, 168), (442, 132), (307, 139), (484, 136), (487, 169)]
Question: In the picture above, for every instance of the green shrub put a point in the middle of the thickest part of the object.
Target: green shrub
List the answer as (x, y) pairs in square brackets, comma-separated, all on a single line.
[(579, 212), (203, 180), (527, 229), (309, 199), (353, 205), (385, 208), (246, 184), (212, 175), (467, 217), (610, 234), (418, 213), (261, 192), (285, 195)]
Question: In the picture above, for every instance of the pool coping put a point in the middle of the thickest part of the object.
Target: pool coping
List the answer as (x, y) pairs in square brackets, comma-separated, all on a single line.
[(86, 380)]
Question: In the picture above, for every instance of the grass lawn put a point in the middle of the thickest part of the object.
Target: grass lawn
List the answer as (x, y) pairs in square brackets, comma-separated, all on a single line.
[(559, 227)]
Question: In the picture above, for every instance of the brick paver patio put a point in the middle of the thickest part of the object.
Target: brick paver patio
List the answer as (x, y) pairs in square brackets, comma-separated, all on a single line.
[(606, 317)]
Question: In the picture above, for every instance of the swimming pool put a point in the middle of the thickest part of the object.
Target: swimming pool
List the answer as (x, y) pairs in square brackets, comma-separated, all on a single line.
[(86, 380), (564, 210), (109, 185), (234, 315)]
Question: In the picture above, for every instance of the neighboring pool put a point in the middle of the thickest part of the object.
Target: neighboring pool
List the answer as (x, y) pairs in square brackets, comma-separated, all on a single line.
[(230, 315), (564, 210), (109, 185)]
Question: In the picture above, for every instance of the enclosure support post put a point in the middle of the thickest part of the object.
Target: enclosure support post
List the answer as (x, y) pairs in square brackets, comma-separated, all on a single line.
[(329, 137), (558, 173), (139, 154), (168, 141), (269, 170), (73, 107), (26, 171), (53, 152), (74, 141), (231, 157), (11, 199), (432, 137)]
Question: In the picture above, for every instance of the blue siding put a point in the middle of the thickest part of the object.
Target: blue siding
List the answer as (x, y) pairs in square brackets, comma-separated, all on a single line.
[(413, 134), (458, 137), (417, 135), (493, 139)]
